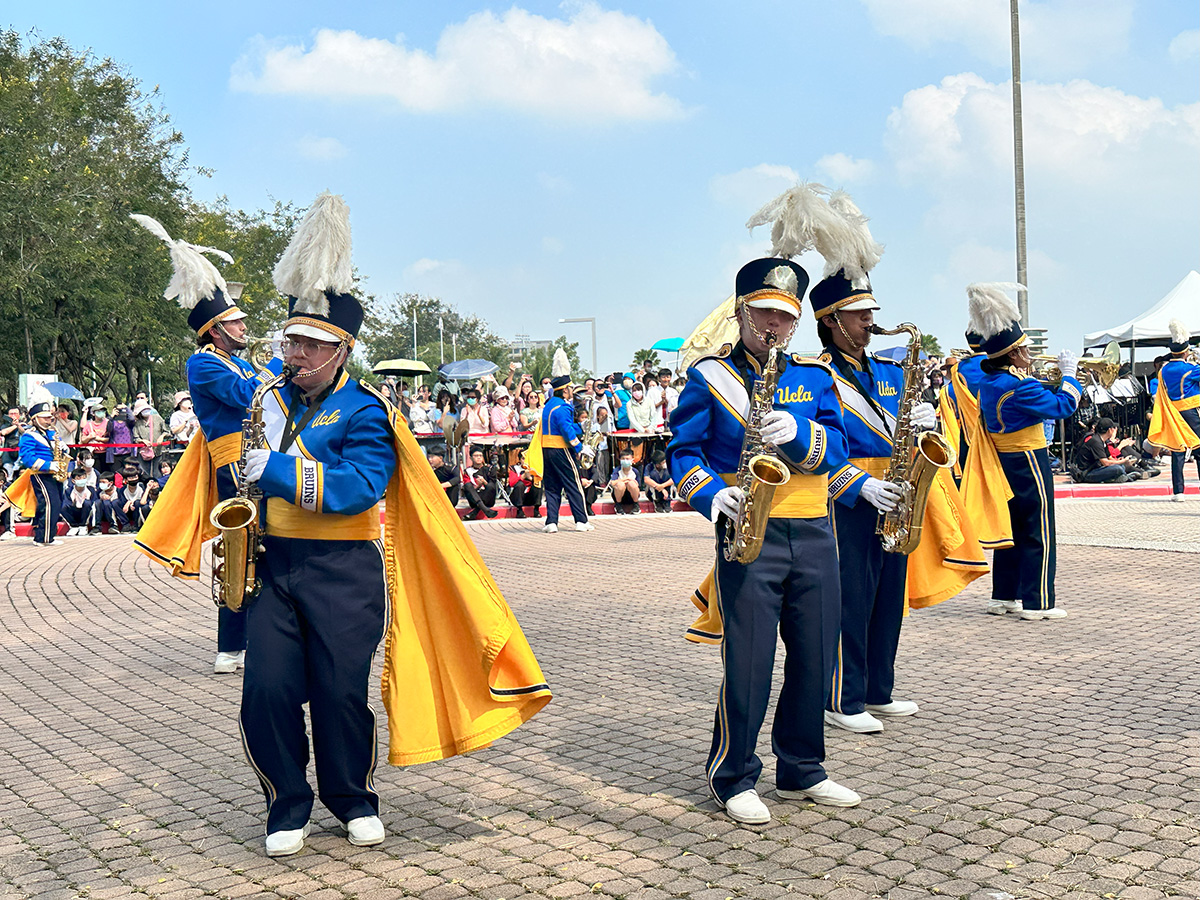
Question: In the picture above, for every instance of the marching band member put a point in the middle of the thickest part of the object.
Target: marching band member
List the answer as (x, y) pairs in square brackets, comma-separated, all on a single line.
[(1009, 458), (458, 673), (1175, 423), (791, 589), (221, 385), (38, 491), (556, 444)]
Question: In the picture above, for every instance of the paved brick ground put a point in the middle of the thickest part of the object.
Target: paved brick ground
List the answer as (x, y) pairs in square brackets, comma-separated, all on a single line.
[(1049, 759)]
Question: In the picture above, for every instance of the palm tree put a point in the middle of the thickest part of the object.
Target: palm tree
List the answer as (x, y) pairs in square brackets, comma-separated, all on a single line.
[(1019, 162)]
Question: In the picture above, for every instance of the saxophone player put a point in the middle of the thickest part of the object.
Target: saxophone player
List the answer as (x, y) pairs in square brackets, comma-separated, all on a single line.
[(872, 580), (38, 491), (791, 588), (221, 385)]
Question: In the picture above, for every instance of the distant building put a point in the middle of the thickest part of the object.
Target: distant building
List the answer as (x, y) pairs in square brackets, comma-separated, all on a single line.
[(522, 345)]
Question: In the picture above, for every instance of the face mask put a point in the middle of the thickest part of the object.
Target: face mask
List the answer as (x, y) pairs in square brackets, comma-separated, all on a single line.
[(406, 393), (89, 463), (80, 485), (471, 401), (627, 384), (637, 395), (627, 464)]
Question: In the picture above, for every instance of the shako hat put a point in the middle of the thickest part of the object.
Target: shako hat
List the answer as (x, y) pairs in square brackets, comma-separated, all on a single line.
[(1180, 336), (195, 282), (560, 371), (41, 402), (316, 275), (772, 283), (974, 340), (994, 317)]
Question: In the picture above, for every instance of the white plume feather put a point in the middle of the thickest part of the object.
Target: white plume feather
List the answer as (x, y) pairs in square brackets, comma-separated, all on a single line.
[(852, 248), (990, 311), (318, 258), (193, 278), (561, 365), (39, 394), (1179, 332)]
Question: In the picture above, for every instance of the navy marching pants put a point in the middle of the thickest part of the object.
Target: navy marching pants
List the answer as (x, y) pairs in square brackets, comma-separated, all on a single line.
[(231, 626), (1179, 460), (562, 476), (49, 493), (1025, 572), (872, 581), (792, 591), (80, 516), (311, 636)]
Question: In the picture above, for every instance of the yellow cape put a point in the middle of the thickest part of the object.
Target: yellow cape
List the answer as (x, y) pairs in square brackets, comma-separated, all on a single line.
[(947, 559), (177, 527), (22, 495), (1168, 428), (535, 461), (951, 427), (458, 672), (985, 491)]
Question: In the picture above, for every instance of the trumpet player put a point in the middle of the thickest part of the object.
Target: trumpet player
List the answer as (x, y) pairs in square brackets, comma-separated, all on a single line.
[(221, 385), (791, 589), (870, 388), (1014, 405)]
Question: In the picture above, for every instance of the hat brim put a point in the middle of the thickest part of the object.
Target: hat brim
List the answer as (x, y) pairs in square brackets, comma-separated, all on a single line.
[(860, 304), (300, 329), (775, 303)]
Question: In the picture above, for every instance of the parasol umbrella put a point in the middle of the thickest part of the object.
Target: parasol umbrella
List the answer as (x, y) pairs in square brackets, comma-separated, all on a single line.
[(897, 354), (468, 369), (669, 345), (400, 367), (60, 390)]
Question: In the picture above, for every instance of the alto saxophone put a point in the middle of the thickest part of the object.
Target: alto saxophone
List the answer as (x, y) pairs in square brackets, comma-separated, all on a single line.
[(759, 473), (62, 459), (236, 549), (915, 458)]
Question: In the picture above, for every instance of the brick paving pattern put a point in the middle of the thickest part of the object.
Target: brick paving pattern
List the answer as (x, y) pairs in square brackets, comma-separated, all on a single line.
[(1050, 759)]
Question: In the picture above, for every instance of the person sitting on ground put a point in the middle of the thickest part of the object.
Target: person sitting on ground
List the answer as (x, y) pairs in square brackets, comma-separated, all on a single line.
[(641, 413), (149, 498), (164, 472), (449, 477), (107, 510), (626, 484), (79, 503), (1098, 462), (479, 486), (504, 416), (85, 462), (129, 498), (658, 481), (523, 487)]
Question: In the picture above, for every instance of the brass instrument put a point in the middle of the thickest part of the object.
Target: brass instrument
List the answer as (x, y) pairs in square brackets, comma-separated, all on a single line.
[(1103, 369), (259, 352), (915, 457), (759, 472), (62, 459), (235, 551)]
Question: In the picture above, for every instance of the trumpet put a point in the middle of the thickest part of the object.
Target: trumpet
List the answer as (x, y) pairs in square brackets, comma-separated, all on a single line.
[(1102, 369)]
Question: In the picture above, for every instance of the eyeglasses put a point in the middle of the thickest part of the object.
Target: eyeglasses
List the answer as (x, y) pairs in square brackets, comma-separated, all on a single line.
[(303, 347)]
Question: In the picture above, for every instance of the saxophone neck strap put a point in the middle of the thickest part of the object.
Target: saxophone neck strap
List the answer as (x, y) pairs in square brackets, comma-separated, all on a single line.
[(292, 428), (845, 370)]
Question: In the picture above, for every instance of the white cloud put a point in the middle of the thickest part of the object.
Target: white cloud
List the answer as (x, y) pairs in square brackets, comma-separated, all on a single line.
[(1185, 46), (322, 149), (595, 65), (423, 266), (751, 188), (843, 169), (1057, 36), (1078, 131)]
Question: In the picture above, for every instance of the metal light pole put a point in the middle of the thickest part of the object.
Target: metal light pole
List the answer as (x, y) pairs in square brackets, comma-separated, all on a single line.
[(592, 320), (414, 332), (454, 343), (442, 338), (1019, 163)]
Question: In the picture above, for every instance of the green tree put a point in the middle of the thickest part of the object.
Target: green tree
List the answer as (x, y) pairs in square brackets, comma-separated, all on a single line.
[(641, 356), (930, 345), (538, 362), (388, 332)]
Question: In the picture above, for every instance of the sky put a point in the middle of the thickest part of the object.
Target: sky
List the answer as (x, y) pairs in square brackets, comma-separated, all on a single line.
[(546, 160)]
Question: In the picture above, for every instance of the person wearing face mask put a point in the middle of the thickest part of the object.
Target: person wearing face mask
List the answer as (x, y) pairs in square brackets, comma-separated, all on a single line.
[(85, 466), (220, 386), (105, 511), (621, 397), (148, 431), (791, 589), (96, 432), (640, 410), (475, 414), (79, 504), (626, 484)]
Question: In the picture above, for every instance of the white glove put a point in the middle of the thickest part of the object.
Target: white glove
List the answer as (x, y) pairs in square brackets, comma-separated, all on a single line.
[(587, 452), (778, 427), (1068, 364), (883, 495), (256, 464), (728, 500), (924, 416)]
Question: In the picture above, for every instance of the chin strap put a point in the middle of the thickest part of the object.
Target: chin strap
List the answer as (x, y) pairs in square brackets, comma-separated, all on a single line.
[(851, 341), (235, 343), (769, 338)]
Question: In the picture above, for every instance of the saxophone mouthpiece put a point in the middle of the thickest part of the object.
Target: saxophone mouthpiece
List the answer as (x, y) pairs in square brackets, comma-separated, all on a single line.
[(770, 338), (878, 329), (289, 372)]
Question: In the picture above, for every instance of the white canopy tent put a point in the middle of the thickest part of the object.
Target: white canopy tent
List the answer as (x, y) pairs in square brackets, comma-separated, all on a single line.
[(1150, 328)]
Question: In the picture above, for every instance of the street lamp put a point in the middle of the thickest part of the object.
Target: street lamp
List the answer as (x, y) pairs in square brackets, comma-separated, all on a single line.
[(592, 320)]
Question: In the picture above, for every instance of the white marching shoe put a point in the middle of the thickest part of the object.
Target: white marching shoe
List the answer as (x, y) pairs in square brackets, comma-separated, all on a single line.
[(285, 843), (747, 808), (550, 528), (365, 831), (1000, 607), (1033, 615), (859, 723), (826, 793), (228, 663), (895, 708), (584, 526)]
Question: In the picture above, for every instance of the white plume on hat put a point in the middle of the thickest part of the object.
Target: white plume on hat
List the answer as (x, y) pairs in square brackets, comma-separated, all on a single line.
[(990, 311), (1179, 332), (561, 365), (39, 394), (811, 217), (194, 277), (318, 258)]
